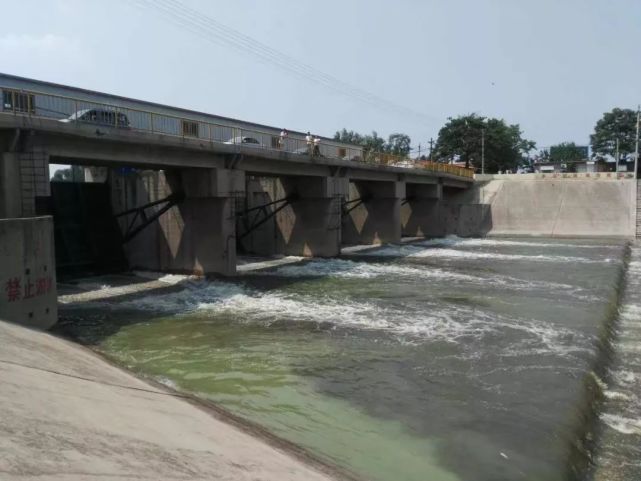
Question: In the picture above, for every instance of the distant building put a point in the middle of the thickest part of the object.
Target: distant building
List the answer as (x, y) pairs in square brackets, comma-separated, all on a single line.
[(582, 166)]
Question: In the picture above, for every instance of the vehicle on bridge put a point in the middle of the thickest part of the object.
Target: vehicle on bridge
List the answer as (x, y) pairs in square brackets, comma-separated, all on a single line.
[(105, 117), (246, 141)]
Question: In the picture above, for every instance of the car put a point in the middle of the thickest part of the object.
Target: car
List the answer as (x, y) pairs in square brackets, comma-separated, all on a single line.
[(105, 117), (406, 164), (245, 141)]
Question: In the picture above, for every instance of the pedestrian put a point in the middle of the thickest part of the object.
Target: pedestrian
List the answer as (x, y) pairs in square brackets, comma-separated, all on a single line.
[(308, 140), (282, 138), (316, 146)]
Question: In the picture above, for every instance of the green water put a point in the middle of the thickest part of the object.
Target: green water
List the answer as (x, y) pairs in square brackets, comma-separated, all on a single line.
[(461, 361)]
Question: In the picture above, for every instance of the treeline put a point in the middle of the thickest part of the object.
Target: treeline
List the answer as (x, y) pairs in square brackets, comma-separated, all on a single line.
[(469, 139)]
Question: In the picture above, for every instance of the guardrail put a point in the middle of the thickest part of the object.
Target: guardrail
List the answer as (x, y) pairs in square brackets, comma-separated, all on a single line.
[(82, 112)]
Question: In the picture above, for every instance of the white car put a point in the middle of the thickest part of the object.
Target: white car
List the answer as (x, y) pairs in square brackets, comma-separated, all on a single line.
[(105, 117), (245, 141), (406, 164)]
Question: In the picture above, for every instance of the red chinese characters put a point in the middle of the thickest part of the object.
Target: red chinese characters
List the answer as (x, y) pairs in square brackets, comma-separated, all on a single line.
[(17, 290), (13, 290)]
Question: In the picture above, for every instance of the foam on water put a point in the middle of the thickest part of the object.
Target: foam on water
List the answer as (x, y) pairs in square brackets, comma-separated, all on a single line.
[(489, 242), (622, 409), (425, 251), (340, 268), (622, 424), (446, 322), (454, 253)]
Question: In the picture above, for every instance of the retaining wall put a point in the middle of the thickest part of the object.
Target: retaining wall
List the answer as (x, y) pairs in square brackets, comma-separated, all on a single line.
[(541, 206), (27, 272)]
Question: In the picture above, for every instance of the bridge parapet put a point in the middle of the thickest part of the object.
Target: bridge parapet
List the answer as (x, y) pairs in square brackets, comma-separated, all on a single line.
[(81, 112)]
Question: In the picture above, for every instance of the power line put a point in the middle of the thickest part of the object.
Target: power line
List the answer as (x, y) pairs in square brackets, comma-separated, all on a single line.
[(214, 31)]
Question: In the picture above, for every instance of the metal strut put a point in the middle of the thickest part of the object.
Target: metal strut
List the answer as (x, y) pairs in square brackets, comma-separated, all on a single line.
[(263, 214), (131, 232), (350, 205)]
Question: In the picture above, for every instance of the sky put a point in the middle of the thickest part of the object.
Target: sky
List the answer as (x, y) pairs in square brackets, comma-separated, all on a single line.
[(551, 66)]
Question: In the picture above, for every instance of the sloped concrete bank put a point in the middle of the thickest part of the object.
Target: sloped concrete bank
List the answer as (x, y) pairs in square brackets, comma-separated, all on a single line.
[(66, 414), (522, 205)]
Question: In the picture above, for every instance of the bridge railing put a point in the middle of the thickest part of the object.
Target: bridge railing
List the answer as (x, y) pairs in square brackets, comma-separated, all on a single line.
[(82, 112)]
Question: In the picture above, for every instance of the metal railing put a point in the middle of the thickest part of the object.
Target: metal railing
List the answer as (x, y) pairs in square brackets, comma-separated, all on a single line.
[(84, 112)]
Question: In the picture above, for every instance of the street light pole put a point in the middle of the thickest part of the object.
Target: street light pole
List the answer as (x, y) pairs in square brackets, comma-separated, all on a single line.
[(636, 145)]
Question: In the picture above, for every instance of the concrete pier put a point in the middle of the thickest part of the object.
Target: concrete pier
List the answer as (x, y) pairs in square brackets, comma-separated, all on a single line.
[(197, 236), (377, 217), (309, 222), (420, 210)]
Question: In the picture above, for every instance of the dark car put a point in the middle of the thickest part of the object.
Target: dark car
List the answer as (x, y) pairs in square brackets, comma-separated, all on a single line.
[(105, 117)]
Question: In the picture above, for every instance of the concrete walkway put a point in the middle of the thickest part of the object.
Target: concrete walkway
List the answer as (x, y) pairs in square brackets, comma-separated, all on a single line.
[(65, 414)]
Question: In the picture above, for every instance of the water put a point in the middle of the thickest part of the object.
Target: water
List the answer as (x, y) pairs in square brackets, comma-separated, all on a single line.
[(452, 359), (619, 453)]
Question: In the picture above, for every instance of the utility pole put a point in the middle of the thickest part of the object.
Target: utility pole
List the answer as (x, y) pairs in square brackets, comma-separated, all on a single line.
[(483, 151), (636, 145), (431, 144), (419, 151), (616, 159)]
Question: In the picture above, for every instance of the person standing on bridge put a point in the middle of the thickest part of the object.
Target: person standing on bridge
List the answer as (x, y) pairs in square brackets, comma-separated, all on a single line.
[(308, 140), (316, 146), (282, 138)]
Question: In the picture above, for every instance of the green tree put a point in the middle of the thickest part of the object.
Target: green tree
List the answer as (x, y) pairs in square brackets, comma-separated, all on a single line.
[(374, 143), (396, 144), (621, 125), (461, 139), (567, 152), (75, 173), (349, 137), (399, 144)]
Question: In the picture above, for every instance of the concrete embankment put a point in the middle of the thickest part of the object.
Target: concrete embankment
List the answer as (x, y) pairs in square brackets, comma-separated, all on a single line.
[(531, 205), (65, 414)]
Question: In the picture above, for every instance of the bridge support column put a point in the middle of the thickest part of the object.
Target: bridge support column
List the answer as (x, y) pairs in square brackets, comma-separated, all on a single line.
[(372, 214), (420, 213), (24, 177), (196, 236), (311, 224)]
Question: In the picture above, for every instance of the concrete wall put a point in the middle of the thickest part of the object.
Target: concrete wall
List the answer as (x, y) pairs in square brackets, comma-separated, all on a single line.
[(28, 272), (520, 205)]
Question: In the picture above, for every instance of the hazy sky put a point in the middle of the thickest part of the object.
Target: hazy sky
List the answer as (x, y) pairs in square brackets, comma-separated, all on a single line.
[(553, 66)]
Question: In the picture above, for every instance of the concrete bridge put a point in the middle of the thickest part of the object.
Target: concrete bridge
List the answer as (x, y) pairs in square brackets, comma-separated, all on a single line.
[(186, 202)]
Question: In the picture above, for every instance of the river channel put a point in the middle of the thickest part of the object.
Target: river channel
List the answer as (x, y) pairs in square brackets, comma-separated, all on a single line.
[(443, 360)]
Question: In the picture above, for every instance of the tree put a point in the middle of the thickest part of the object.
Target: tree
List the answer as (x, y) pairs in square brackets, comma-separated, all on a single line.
[(349, 137), (74, 173), (398, 144), (567, 152), (621, 125), (461, 139), (374, 143)]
